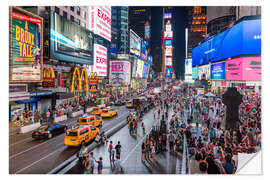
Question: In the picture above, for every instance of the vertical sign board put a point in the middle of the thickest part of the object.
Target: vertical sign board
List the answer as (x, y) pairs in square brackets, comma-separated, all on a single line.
[(100, 21), (168, 72), (100, 60), (25, 46)]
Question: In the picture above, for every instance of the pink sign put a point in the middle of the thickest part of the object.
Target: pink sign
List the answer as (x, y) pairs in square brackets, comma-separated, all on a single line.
[(117, 66), (244, 68)]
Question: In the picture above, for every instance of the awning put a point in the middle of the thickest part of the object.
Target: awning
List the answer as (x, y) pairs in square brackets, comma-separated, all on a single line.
[(31, 100), (41, 93)]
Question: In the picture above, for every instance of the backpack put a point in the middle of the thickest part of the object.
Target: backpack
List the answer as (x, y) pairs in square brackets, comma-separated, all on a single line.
[(229, 167)]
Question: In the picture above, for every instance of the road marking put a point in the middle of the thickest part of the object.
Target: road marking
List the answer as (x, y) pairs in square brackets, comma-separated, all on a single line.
[(20, 141), (38, 160)]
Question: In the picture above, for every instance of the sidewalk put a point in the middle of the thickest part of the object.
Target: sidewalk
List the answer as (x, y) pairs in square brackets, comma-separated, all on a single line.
[(131, 153)]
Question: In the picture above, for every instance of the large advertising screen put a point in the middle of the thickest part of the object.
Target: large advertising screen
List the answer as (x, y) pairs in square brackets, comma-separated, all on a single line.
[(134, 68), (70, 41), (218, 71), (195, 73), (143, 51), (243, 38), (147, 32), (168, 50), (168, 42), (145, 70), (139, 72), (168, 35), (120, 72), (135, 43), (204, 71), (168, 72), (169, 61), (100, 60), (100, 21), (188, 66), (26, 46), (167, 15), (244, 68)]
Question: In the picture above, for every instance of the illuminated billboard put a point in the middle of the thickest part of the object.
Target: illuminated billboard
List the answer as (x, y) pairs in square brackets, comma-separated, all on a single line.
[(167, 15), (188, 66), (139, 72), (120, 72), (26, 46), (169, 61), (100, 21), (168, 42), (100, 60), (147, 32), (135, 43), (168, 35), (218, 71), (244, 68), (168, 50), (143, 50), (70, 41), (204, 71)]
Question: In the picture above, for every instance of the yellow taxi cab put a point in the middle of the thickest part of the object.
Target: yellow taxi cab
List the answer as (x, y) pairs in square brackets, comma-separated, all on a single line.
[(108, 112), (129, 104), (97, 110), (79, 135), (90, 120)]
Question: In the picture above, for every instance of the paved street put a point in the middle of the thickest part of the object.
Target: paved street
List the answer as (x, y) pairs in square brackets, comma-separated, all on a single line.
[(40, 156)]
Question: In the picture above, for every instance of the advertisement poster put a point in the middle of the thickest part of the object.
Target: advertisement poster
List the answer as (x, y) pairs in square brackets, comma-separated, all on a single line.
[(26, 47), (143, 51), (100, 60), (135, 43), (100, 21), (168, 35), (168, 50), (70, 41), (134, 68), (167, 15), (218, 71), (244, 68), (168, 42), (145, 70), (168, 72), (169, 61), (147, 32), (188, 66), (204, 70), (139, 71), (195, 73), (120, 73)]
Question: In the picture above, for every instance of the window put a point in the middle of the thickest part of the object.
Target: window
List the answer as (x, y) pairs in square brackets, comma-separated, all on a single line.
[(47, 8), (78, 10), (78, 21), (71, 18), (57, 10), (72, 8), (65, 14)]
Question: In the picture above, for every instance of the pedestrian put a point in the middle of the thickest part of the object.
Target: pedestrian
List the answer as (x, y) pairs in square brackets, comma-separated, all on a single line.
[(92, 162), (171, 142), (153, 153), (87, 167), (143, 128), (48, 115), (118, 148), (110, 150), (118, 166), (143, 152), (100, 165)]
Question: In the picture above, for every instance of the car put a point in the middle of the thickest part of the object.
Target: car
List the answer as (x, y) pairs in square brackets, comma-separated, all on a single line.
[(80, 135), (129, 104), (90, 120), (108, 112), (48, 131), (97, 110), (119, 102)]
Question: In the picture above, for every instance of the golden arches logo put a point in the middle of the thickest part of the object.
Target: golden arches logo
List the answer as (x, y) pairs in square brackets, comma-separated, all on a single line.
[(48, 73), (81, 78)]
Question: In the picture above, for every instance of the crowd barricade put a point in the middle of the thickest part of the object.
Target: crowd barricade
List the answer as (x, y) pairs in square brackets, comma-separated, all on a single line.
[(62, 118), (29, 127), (75, 114)]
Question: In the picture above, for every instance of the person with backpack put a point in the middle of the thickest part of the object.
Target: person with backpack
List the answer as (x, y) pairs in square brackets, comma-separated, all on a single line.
[(118, 149), (229, 165)]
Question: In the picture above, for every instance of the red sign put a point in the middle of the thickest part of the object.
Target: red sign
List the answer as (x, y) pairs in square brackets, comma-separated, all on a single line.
[(25, 18)]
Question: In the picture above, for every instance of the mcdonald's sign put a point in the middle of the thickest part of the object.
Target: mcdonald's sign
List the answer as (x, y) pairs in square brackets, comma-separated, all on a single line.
[(80, 76), (93, 82), (48, 77)]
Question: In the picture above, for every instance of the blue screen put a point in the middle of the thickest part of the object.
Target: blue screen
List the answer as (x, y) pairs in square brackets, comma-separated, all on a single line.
[(168, 72), (218, 71), (168, 42), (243, 38)]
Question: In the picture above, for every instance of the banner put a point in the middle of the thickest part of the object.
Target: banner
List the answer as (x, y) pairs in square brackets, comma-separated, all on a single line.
[(244, 68), (195, 73), (26, 46), (69, 41), (168, 50), (218, 71), (135, 43), (204, 71), (100, 60), (100, 21), (188, 66)]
